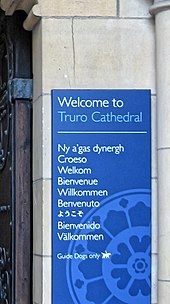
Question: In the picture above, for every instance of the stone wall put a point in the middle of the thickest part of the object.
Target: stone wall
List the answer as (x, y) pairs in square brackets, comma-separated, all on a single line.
[(85, 44)]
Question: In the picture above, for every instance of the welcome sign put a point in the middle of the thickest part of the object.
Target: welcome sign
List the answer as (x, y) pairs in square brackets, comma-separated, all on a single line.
[(101, 197)]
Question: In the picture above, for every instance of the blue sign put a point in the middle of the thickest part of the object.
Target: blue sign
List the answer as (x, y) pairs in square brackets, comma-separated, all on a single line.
[(101, 196)]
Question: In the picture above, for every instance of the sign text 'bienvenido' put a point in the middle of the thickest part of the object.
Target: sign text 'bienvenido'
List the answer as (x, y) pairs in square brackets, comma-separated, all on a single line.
[(101, 209)]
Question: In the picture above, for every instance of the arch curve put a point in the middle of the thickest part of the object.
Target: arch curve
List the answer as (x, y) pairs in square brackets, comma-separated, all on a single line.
[(10, 6)]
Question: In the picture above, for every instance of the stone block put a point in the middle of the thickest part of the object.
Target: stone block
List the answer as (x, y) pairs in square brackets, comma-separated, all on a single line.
[(37, 217), (47, 290), (135, 8), (42, 217), (112, 53), (37, 60), (46, 144), (154, 289), (37, 139), (98, 53), (57, 52), (163, 72), (41, 280), (164, 292), (164, 213), (37, 279), (154, 217), (42, 138), (47, 221), (76, 8), (154, 135)]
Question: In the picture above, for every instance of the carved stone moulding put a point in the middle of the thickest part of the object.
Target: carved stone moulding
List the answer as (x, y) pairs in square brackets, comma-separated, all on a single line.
[(159, 6), (10, 6)]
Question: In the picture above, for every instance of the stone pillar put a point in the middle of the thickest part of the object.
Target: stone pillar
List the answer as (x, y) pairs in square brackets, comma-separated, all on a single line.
[(161, 10)]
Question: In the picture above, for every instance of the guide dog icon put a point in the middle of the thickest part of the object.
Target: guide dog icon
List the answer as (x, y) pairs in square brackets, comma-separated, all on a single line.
[(106, 255)]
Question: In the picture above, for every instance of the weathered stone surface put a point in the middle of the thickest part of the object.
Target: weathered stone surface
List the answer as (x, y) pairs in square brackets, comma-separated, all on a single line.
[(163, 77), (164, 292), (114, 53), (160, 6), (154, 278), (135, 8), (164, 214), (76, 8), (91, 54), (84, 53), (42, 217), (37, 279), (57, 54), (42, 138), (154, 135), (41, 280)]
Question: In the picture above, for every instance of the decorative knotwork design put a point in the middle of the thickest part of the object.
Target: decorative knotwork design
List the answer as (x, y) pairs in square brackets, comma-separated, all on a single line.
[(4, 103), (4, 276)]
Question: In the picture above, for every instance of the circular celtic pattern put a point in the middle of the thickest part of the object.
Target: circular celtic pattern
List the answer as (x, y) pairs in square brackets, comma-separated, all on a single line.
[(115, 270)]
